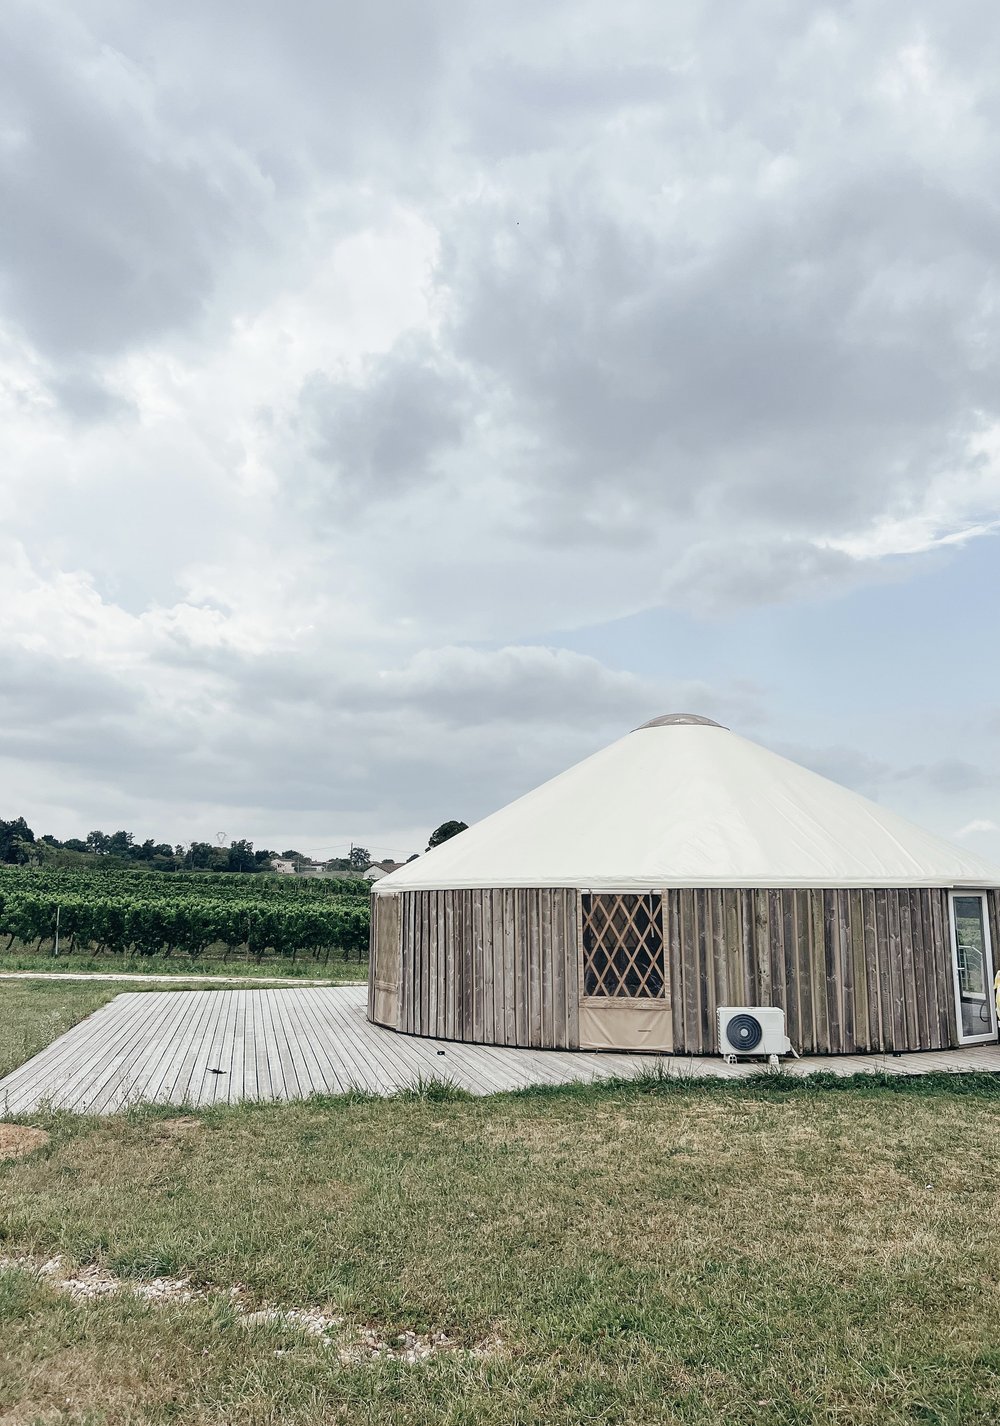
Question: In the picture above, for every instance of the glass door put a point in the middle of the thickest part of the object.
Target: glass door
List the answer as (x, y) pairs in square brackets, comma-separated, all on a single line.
[(973, 964)]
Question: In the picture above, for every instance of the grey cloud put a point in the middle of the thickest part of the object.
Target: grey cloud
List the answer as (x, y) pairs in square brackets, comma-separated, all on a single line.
[(848, 766), (373, 436), (86, 399), (141, 158), (872, 776), (111, 234), (40, 696)]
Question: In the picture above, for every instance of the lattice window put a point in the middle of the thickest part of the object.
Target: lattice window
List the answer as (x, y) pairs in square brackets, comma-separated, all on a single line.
[(623, 945)]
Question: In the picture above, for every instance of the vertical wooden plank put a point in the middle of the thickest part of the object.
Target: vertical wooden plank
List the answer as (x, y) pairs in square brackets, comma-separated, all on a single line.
[(921, 969), (884, 969), (909, 987), (520, 969), (776, 980), (944, 972), (748, 922), (895, 958), (557, 962), (831, 928), (466, 1003), (478, 970), (533, 981), (372, 952), (846, 971), (704, 975), (857, 1026), (548, 954), (573, 965), (509, 937), (449, 964), (761, 948), (497, 962), (672, 912), (405, 962), (492, 961), (689, 971), (876, 1040), (432, 910), (817, 965), (719, 978), (802, 919), (734, 949), (790, 958), (428, 966)]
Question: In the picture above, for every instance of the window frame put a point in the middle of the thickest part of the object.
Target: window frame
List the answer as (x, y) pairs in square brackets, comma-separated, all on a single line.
[(983, 898), (597, 998)]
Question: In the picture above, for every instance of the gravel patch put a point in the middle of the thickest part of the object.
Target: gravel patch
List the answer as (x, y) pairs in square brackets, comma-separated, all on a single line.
[(352, 1345)]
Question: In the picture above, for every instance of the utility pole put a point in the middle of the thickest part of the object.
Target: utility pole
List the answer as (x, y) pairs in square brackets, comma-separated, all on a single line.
[(55, 950)]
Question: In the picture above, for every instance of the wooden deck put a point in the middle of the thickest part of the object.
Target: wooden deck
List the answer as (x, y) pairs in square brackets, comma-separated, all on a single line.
[(202, 1047)]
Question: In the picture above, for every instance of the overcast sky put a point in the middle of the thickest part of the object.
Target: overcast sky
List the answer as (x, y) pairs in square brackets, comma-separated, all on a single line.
[(401, 400)]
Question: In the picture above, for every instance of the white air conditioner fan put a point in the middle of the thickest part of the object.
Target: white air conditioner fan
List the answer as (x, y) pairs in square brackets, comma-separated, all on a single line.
[(752, 1030)]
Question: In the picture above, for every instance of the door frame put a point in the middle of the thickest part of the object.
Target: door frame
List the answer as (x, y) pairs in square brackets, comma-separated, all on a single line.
[(989, 972)]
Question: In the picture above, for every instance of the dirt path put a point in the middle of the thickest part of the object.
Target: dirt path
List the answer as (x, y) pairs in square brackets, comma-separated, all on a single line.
[(180, 975)]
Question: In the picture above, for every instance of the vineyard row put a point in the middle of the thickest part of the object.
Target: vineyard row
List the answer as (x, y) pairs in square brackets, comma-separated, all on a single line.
[(129, 925)]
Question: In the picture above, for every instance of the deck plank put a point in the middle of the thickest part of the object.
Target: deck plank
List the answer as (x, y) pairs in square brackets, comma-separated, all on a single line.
[(274, 1044)]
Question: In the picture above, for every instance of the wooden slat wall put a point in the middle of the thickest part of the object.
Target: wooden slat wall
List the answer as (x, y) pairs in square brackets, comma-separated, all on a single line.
[(855, 970), (497, 967)]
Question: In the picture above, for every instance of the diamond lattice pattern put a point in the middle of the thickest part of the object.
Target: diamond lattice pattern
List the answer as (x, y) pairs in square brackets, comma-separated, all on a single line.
[(623, 945)]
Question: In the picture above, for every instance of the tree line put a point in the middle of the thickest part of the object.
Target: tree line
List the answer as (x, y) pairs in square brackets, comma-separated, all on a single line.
[(20, 847)]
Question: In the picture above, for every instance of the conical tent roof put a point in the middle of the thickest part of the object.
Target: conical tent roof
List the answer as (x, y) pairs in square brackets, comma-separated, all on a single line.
[(685, 802)]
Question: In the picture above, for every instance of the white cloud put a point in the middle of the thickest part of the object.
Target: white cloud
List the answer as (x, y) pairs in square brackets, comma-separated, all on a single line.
[(336, 375)]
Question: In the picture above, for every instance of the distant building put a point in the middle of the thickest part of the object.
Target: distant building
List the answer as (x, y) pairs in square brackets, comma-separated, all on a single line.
[(284, 865)]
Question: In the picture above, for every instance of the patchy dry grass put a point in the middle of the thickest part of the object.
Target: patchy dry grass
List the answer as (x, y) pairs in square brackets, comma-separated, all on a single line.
[(746, 1253)]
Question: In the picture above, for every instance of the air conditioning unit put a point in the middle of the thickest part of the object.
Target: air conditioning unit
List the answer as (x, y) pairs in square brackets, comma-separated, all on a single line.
[(746, 1030)]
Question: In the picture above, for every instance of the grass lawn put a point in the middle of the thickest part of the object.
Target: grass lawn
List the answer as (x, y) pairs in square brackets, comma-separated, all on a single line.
[(749, 1252), (279, 968)]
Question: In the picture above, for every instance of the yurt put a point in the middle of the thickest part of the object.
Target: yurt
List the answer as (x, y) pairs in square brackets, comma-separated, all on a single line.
[(679, 870)]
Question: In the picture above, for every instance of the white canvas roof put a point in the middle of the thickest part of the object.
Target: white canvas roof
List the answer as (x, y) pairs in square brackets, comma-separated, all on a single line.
[(684, 802)]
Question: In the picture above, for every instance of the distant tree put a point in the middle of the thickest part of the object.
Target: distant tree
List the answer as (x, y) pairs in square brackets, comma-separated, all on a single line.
[(445, 832), (120, 844), (74, 844), (360, 859), (164, 849), (51, 841), (262, 857), (200, 855), (16, 839), (97, 842), (240, 856), (340, 864), (413, 858), (292, 856)]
